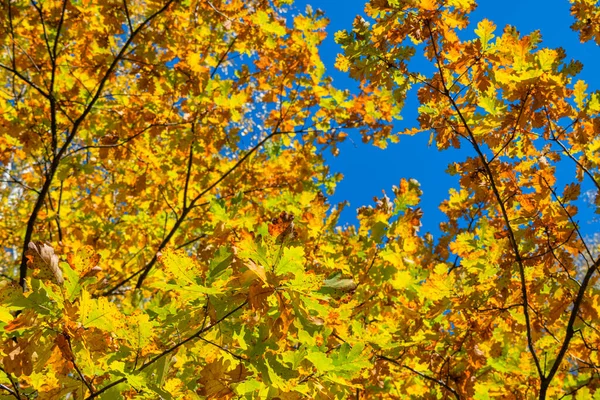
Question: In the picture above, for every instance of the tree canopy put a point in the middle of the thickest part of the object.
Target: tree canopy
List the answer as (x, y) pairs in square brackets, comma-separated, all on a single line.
[(167, 230)]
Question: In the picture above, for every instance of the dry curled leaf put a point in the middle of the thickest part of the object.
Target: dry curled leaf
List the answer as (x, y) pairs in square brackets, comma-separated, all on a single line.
[(43, 261)]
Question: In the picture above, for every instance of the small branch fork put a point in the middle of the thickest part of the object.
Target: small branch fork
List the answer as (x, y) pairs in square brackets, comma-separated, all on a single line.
[(188, 206), (15, 388), (423, 375), (556, 138), (191, 338)]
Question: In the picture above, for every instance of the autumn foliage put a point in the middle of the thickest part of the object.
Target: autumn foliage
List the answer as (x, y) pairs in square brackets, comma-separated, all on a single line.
[(166, 228)]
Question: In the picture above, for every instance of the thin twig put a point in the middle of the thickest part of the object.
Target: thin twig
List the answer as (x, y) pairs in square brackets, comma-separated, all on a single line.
[(15, 391), (186, 211), (188, 173), (87, 384), (169, 350), (422, 375), (511, 234), (71, 136), (241, 358)]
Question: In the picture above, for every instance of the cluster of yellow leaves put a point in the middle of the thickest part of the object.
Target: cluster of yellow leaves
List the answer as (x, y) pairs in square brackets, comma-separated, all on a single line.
[(163, 206), (587, 19), (512, 274)]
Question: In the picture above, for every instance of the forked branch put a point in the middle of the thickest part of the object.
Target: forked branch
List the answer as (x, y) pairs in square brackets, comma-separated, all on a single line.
[(169, 350), (58, 156), (489, 173)]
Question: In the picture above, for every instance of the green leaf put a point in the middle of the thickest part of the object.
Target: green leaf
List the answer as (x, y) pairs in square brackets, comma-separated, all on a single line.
[(378, 230), (162, 369), (248, 386), (294, 358), (98, 313), (264, 21), (546, 59), (222, 259), (279, 375), (72, 284), (490, 104), (337, 282), (11, 296), (321, 362), (192, 291), (349, 360), (292, 261)]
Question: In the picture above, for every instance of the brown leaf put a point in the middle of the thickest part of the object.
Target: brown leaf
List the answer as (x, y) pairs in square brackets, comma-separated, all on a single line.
[(212, 313), (26, 319), (282, 227), (22, 354), (283, 322), (239, 374), (214, 381), (258, 270), (258, 296), (44, 262)]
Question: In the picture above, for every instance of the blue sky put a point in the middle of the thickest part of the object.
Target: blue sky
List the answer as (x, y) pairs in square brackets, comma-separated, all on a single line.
[(368, 170)]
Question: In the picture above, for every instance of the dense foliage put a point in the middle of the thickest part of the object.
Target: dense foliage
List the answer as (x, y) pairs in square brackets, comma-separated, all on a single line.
[(167, 232)]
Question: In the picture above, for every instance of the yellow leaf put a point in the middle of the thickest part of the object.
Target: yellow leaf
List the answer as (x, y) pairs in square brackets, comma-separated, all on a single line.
[(402, 280), (579, 93), (484, 31), (193, 60)]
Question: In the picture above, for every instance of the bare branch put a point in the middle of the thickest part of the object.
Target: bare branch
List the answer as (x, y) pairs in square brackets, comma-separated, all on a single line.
[(128, 16)]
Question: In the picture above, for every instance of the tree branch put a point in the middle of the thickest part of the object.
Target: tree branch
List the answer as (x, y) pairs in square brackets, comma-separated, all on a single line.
[(514, 130), (422, 375), (188, 173), (13, 392), (186, 211), (87, 384), (500, 202), (169, 350), (58, 156), (26, 80), (570, 330)]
